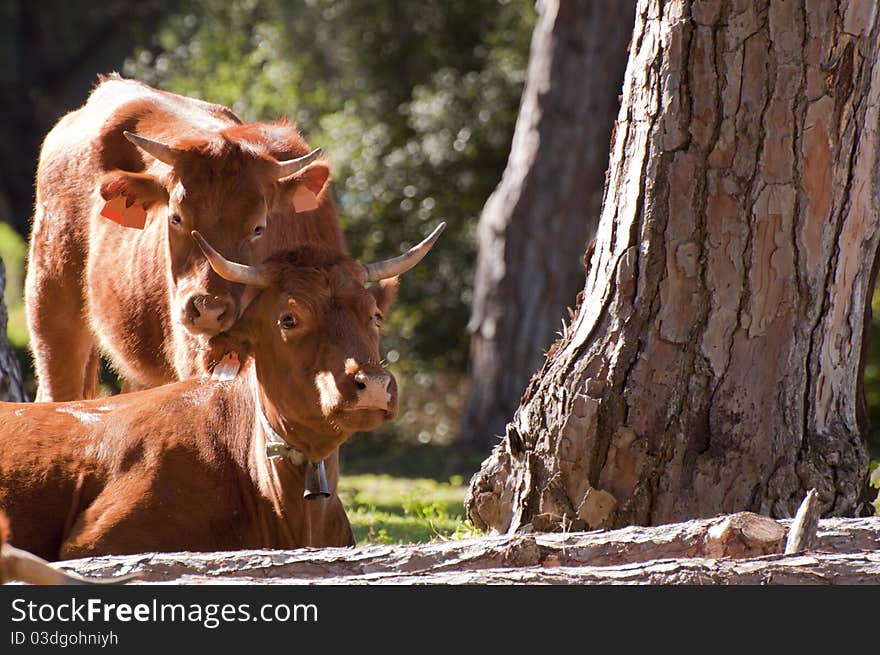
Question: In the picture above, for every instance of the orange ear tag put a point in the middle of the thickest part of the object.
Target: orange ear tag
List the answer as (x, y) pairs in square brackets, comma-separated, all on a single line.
[(134, 216), (113, 209), (227, 368), (304, 200)]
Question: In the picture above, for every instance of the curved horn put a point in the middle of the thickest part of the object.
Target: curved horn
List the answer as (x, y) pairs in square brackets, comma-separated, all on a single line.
[(401, 264), (292, 166), (24, 566), (255, 276), (160, 151)]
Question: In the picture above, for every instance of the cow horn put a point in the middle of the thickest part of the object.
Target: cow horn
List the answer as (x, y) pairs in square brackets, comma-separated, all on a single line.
[(254, 276), (292, 166), (21, 565), (402, 263), (160, 151)]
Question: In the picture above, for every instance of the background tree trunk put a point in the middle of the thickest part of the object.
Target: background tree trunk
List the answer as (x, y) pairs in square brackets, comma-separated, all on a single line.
[(535, 226), (715, 362), (10, 373)]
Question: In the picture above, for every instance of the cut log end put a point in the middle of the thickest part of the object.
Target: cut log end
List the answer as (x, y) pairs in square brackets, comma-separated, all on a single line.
[(744, 535)]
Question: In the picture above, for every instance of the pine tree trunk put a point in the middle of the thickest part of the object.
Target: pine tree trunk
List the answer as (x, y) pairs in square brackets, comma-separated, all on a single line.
[(536, 224), (10, 373), (715, 363)]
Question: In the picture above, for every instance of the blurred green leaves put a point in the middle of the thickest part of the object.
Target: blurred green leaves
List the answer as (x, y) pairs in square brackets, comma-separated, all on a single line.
[(13, 250), (414, 104)]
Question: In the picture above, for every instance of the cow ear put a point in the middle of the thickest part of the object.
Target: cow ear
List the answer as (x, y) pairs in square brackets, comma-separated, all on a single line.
[(225, 343), (385, 293), (142, 187), (314, 178)]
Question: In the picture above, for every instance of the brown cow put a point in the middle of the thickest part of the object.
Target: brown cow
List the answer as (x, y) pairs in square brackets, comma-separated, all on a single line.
[(195, 465), (146, 298), (17, 564)]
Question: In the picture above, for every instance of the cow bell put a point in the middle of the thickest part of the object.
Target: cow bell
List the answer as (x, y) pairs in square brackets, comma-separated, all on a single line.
[(317, 486)]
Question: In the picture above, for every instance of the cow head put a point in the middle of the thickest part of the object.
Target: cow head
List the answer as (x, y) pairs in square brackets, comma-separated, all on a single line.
[(224, 187), (312, 328)]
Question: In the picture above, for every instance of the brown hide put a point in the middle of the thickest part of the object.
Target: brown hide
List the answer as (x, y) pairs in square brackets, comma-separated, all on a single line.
[(137, 295), (17, 564), (183, 466)]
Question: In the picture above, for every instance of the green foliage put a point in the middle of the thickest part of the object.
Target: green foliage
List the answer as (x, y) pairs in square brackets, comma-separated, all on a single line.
[(414, 104), (13, 250), (383, 509), (874, 481), (872, 374)]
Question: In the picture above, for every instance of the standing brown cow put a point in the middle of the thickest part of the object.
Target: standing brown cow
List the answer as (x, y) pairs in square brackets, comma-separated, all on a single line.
[(147, 298), (216, 465)]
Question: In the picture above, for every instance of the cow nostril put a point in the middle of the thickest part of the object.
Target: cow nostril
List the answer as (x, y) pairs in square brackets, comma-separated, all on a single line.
[(360, 381), (192, 311), (207, 311)]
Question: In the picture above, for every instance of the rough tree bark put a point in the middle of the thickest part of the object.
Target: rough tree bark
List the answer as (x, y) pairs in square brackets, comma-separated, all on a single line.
[(737, 549), (536, 224), (11, 389), (714, 364)]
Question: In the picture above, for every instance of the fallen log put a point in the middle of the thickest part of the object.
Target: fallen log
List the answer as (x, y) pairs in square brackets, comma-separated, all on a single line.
[(815, 569), (737, 549)]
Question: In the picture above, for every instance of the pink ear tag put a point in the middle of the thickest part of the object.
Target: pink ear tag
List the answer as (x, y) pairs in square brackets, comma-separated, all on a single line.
[(304, 200), (227, 368)]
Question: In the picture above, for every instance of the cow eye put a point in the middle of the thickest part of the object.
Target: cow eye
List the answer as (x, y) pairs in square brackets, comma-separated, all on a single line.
[(287, 322), (377, 319), (175, 219), (258, 230)]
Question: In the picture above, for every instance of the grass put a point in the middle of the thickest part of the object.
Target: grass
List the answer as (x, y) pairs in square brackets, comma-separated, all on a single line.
[(388, 510)]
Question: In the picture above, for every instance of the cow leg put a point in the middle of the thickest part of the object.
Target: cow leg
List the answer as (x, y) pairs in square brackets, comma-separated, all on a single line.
[(62, 354), (90, 381), (109, 526), (130, 387), (139, 512), (61, 339)]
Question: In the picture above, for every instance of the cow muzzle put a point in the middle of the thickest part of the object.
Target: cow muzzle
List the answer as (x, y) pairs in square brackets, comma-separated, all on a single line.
[(208, 314), (374, 390)]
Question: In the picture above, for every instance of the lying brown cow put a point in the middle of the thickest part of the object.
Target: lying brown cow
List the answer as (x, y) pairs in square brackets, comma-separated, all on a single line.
[(208, 465), (144, 296), (17, 564)]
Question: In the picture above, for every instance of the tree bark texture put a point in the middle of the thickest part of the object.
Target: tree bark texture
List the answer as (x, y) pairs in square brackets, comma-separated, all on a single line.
[(535, 226), (741, 548), (11, 389), (715, 362)]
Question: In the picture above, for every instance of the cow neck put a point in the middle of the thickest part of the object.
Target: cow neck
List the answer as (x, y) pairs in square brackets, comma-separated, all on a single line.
[(276, 445)]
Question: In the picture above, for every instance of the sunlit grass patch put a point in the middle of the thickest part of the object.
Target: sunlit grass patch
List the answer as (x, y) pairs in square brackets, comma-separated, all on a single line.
[(390, 510)]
